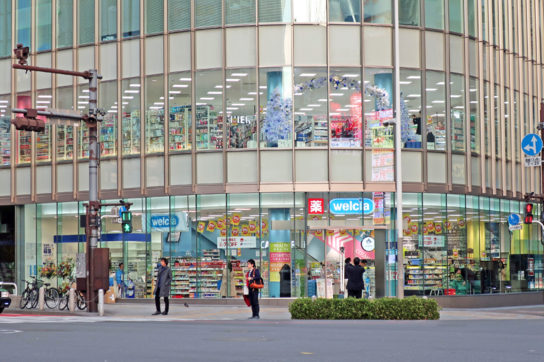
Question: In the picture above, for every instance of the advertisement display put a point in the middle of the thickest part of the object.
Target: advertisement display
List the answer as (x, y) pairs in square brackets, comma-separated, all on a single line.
[(280, 254), (237, 242)]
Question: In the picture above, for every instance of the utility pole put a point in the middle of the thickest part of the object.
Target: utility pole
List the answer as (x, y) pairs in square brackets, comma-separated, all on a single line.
[(30, 123)]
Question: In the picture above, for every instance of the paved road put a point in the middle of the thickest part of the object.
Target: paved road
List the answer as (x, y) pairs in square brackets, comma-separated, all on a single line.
[(175, 340)]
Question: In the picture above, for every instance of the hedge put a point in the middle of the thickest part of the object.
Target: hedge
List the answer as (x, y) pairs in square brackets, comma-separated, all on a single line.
[(411, 308)]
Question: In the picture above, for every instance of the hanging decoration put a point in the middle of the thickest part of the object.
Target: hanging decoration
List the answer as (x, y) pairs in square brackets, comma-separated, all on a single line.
[(277, 121)]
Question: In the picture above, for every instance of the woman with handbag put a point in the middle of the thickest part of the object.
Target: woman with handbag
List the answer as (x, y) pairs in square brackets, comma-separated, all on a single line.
[(254, 283)]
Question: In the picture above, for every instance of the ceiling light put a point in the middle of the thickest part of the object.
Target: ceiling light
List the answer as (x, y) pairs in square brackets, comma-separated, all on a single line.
[(473, 90), (80, 102), (306, 109), (40, 96), (438, 101), (252, 93), (350, 75), (180, 86), (413, 110), (342, 109), (455, 96), (334, 114), (263, 87), (431, 89), (127, 97), (238, 74), (48, 102), (185, 79), (336, 94), (301, 113), (307, 75), (232, 80), (474, 102), (159, 103), (134, 85), (404, 82), (207, 98), (314, 105), (322, 100), (232, 108), (3, 101), (174, 92), (215, 92), (246, 99), (414, 95), (200, 104), (132, 91), (413, 77), (238, 104), (299, 94), (440, 83)]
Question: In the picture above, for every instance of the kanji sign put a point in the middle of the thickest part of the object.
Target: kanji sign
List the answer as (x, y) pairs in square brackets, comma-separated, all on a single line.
[(533, 161), (316, 206)]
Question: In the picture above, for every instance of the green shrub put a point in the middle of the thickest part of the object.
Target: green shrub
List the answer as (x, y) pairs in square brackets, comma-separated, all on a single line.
[(384, 308)]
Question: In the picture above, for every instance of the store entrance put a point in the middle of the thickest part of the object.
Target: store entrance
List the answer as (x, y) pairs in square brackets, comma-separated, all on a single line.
[(327, 250)]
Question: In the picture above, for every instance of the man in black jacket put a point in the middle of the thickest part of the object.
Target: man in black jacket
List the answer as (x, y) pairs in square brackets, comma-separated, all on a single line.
[(355, 279)]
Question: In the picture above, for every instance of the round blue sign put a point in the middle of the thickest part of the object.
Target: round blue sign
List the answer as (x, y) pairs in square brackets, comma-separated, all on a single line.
[(514, 219), (531, 144)]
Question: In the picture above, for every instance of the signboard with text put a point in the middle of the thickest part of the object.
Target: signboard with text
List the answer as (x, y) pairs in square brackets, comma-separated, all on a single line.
[(237, 242)]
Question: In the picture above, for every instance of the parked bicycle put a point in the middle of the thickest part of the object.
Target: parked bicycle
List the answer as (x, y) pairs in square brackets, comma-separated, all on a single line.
[(30, 296), (65, 297)]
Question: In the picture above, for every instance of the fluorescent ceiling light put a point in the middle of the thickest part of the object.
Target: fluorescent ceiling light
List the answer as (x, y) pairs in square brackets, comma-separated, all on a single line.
[(246, 99), (367, 100), (215, 92), (474, 102), (238, 104), (314, 105), (123, 102), (431, 89), (3, 101), (307, 75), (238, 74), (134, 85), (110, 111), (350, 75), (336, 94), (200, 104), (85, 97), (334, 114), (153, 107), (413, 77), (232, 80), (80, 102), (414, 95), (180, 86), (48, 102), (440, 83), (207, 98), (252, 93), (438, 102), (42, 96), (322, 100), (232, 108), (185, 79), (351, 106), (41, 106), (159, 103), (298, 94), (174, 92), (85, 91), (6, 106), (459, 107), (306, 109), (132, 91), (263, 87), (414, 110), (127, 97), (342, 109), (455, 96), (473, 90), (405, 82)]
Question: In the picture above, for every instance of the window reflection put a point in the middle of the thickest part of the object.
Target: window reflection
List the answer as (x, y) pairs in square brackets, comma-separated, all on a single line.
[(130, 110), (434, 14), (409, 12), (310, 94), (179, 94), (345, 108), (436, 111), (378, 107), (154, 114), (309, 11), (377, 11), (108, 20), (43, 25), (209, 109), (65, 134), (108, 126), (274, 11), (348, 11), (240, 11), (457, 112), (410, 103), (474, 116)]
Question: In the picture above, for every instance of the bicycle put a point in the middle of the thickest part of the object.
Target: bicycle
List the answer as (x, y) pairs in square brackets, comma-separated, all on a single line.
[(80, 300), (51, 296), (30, 294)]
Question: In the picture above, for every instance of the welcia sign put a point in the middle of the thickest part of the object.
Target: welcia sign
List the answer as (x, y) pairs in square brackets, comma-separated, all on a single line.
[(162, 221), (351, 206)]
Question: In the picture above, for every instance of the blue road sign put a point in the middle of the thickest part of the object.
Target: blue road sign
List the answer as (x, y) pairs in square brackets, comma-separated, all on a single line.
[(122, 209), (514, 219), (531, 144)]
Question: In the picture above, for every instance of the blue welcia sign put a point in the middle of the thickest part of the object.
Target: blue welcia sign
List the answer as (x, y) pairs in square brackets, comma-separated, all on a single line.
[(164, 221), (351, 206)]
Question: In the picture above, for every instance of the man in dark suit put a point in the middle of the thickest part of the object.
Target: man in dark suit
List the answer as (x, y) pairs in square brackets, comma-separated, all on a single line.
[(355, 279)]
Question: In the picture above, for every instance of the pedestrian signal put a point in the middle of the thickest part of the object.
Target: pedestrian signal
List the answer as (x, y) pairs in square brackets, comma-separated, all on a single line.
[(528, 214), (126, 219)]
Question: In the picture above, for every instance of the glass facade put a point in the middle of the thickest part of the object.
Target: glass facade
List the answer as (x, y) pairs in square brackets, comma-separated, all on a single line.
[(215, 100)]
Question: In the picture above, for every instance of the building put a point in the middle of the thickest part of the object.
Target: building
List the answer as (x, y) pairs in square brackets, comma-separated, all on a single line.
[(263, 121)]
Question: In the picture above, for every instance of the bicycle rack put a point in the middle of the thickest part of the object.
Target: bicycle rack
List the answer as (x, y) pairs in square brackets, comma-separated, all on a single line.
[(10, 284)]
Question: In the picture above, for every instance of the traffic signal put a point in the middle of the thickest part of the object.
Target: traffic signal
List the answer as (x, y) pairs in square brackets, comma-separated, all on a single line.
[(126, 220), (30, 122), (528, 214)]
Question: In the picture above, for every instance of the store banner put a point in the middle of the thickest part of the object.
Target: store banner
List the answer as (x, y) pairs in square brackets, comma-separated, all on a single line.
[(168, 222), (433, 241), (351, 206), (237, 242)]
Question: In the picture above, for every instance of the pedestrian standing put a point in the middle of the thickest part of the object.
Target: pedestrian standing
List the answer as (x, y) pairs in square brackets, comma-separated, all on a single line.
[(162, 288), (119, 278), (355, 279), (253, 275), (347, 268)]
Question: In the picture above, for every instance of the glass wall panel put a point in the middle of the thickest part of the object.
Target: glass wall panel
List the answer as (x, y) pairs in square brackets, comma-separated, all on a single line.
[(435, 248), (154, 17), (507, 120), (108, 126), (348, 11), (83, 130), (65, 29), (23, 22), (474, 116), (461, 273), (409, 12), (130, 22), (434, 14), (86, 21), (207, 13), (65, 134), (5, 28), (276, 107), (486, 119), (456, 15), (24, 139), (241, 108), (309, 11), (67, 225), (414, 250), (130, 101), (345, 107), (209, 109), (457, 112), (377, 11), (311, 126), (180, 120), (108, 20), (46, 229), (43, 139), (475, 233), (43, 25), (436, 111), (378, 107), (517, 126), (410, 101), (154, 114), (179, 14), (240, 11), (498, 131), (274, 11), (5, 130)]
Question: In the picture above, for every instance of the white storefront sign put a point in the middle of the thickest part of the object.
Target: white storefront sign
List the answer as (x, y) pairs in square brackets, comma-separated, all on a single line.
[(237, 242)]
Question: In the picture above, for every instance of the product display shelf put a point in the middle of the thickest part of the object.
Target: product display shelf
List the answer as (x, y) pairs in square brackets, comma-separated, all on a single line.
[(108, 137), (179, 128), (5, 141), (155, 130), (457, 133), (43, 145), (25, 146), (131, 132), (311, 132), (237, 280), (209, 128), (83, 141), (194, 279), (65, 142)]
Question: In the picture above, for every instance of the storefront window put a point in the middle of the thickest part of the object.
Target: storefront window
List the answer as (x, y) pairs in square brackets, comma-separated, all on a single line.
[(409, 12), (433, 243), (131, 18), (130, 101), (240, 11), (179, 14), (436, 111), (108, 126), (154, 18), (83, 130), (311, 125), (154, 114), (43, 25), (47, 249), (414, 237), (108, 20), (65, 23), (5, 130), (474, 115), (208, 13), (410, 103), (309, 11), (456, 16), (180, 121), (66, 242), (65, 134), (276, 107), (348, 11), (209, 109), (241, 108), (25, 137), (5, 28), (43, 139), (457, 112), (434, 14), (378, 12), (274, 11), (86, 21), (23, 22), (462, 272), (378, 107), (345, 107)]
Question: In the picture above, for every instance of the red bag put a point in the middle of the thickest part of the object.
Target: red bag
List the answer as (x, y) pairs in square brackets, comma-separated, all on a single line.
[(246, 299), (449, 291)]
